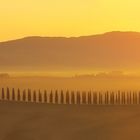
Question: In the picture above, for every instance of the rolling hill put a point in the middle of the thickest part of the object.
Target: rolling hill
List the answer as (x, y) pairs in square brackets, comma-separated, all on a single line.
[(112, 50)]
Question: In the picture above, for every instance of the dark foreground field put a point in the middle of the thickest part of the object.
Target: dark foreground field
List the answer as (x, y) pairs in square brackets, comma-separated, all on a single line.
[(27, 121)]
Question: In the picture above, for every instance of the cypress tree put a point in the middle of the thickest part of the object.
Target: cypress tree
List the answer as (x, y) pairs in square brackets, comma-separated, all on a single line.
[(45, 96), (34, 96), (13, 94), (130, 97), (95, 98), (83, 98), (62, 97), (56, 97), (127, 99), (89, 97), (78, 97), (119, 98), (8, 94), (18, 95), (29, 95), (3, 94), (101, 98), (67, 98), (99, 95), (24, 95), (72, 97), (136, 97), (51, 97), (40, 96), (122, 98), (113, 98), (107, 98), (133, 98)]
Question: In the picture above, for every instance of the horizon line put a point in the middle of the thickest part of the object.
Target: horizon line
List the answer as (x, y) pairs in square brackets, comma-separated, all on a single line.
[(69, 37)]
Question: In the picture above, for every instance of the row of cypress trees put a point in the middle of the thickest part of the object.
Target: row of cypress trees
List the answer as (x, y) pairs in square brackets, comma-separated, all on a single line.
[(96, 98)]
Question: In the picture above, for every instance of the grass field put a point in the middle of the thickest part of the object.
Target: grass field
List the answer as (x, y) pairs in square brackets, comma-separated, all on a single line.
[(30, 121)]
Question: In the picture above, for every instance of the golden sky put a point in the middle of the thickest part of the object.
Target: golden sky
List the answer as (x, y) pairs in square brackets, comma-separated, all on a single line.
[(19, 18)]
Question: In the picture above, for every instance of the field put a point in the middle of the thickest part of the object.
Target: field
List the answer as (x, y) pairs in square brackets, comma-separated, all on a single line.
[(30, 121), (42, 121), (72, 83)]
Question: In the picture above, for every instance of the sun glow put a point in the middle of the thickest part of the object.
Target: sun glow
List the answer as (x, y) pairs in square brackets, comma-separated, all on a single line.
[(66, 18)]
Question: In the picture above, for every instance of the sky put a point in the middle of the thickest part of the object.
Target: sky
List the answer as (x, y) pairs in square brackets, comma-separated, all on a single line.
[(20, 18)]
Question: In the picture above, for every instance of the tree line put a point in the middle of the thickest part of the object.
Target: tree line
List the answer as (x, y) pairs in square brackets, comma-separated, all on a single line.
[(70, 97)]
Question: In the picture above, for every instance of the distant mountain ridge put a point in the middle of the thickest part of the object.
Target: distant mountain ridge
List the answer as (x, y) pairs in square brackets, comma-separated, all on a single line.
[(112, 50)]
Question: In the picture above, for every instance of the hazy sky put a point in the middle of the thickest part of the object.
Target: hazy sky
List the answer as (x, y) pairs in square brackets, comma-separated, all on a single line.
[(19, 18)]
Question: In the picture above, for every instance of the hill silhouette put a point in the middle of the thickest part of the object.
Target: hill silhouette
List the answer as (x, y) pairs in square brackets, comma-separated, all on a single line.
[(112, 50)]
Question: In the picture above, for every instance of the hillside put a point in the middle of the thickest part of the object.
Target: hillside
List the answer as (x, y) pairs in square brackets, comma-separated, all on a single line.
[(113, 50)]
